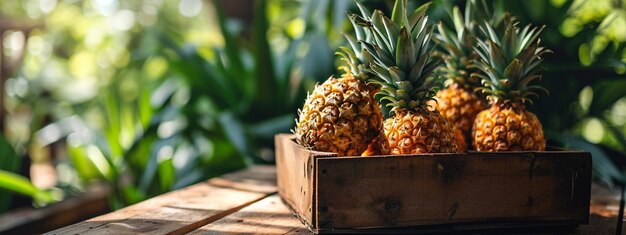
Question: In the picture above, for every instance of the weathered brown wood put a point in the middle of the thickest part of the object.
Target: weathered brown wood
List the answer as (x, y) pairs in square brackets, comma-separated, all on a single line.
[(296, 179), (450, 189), (268, 216), (34, 221), (184, 210), (465, 191), (259, 178)]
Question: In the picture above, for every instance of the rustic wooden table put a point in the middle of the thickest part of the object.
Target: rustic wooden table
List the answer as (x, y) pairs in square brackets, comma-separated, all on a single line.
[(246, 202)]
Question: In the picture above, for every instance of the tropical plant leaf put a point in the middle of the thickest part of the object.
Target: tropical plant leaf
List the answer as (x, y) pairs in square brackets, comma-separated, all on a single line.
[(22, 185), (230, 42), (166, 174), (85, 168), (149, 182), (605, 94), (268, 128), (9, 162), (112, 133), (234, 130), (131, 195), (264, 75)]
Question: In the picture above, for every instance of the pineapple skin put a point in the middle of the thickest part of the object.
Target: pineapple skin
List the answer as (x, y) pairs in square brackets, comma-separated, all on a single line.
[(378, 146), (460, 107), (507, 127), (341, 116), (421, 131), (461, 142)]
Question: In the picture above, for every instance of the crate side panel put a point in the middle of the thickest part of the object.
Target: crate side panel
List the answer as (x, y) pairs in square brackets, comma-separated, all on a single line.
[(448, 189), (295, 176), (292, 180), (579, 165)]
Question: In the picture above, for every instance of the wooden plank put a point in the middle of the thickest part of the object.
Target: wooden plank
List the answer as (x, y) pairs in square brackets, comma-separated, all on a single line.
[(296, 179), (599, 225), (91, 203), (186, 209), (527, 188), (604, 211), (268, 216)]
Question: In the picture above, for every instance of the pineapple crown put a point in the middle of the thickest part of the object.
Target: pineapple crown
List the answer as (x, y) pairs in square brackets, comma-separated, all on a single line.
[(400, 56), (509, 59), (354, 61), (456, 44)]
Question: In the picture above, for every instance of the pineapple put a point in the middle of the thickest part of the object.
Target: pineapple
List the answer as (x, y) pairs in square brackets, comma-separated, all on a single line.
[(400, 56), (509, 60), (459, 102), (341, 115)]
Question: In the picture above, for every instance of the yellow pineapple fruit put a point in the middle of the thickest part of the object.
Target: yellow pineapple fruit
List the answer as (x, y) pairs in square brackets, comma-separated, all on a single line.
[(341, 115), (401, 57), (509, 61), (508, 127), (461, 143), (459, 102)]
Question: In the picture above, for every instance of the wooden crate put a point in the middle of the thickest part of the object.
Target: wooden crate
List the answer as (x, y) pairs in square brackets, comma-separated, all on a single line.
[(441, 192)]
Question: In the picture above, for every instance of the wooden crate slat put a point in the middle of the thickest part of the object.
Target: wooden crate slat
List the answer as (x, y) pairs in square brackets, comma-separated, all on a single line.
[(297, 175), (186, 209), (452, 189), (267, 216)]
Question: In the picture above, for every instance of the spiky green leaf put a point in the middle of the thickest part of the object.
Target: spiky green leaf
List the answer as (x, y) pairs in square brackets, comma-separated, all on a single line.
[(405, 54), (509, 59)]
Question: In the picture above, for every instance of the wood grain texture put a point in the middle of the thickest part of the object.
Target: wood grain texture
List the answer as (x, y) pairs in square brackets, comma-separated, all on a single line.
[(268, 216), (296, 176), (453, 189), (186, 209)]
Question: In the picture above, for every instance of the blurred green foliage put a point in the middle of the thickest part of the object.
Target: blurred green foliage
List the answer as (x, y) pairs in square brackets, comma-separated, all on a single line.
[(585, 76), (155, 95), (10, 181), (150, 96), (95, 82)]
